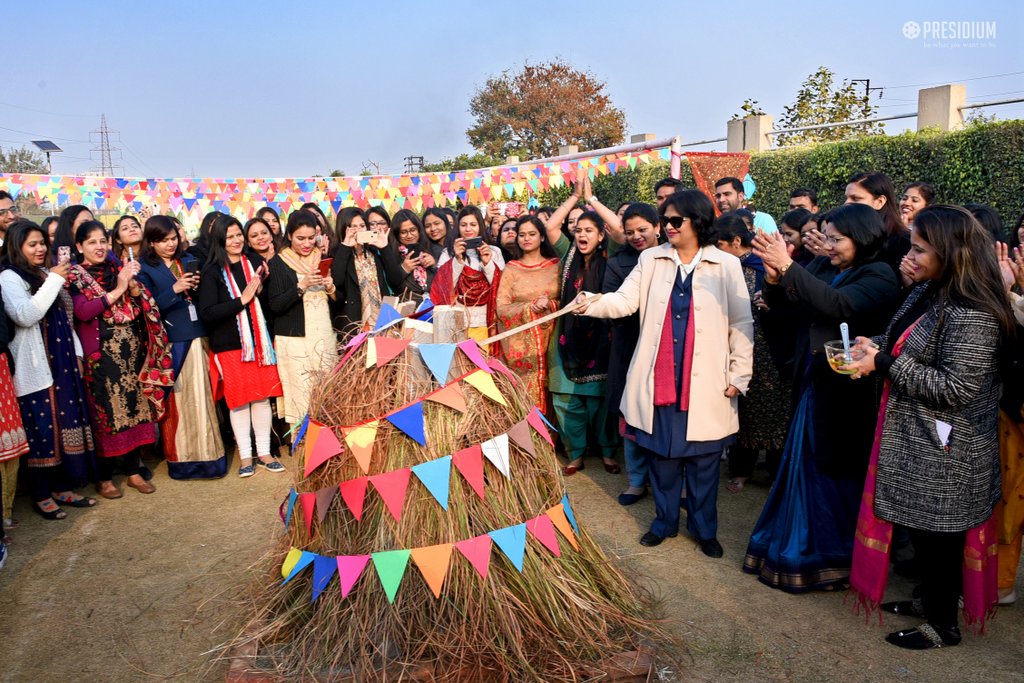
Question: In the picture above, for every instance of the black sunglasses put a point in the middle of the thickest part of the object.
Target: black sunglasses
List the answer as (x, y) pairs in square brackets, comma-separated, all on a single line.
[(675, 221)]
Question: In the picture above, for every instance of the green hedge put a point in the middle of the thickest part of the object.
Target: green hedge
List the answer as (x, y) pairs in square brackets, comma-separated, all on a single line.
[(983, 163)]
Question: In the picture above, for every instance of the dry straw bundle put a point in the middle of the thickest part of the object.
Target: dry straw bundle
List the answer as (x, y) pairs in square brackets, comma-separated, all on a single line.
[(560, 619)]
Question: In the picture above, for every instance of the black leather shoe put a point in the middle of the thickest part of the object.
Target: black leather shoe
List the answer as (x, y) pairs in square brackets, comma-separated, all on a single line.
[(711, 547), (651, 539), (630, 498), (904, 608), (924, 637)]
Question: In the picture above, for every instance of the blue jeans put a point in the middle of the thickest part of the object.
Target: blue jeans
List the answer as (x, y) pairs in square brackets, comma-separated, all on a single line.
[(636, 463)]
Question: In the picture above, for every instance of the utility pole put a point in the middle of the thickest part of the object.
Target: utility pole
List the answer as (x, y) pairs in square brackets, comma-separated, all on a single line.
[(413, 164), (868, 89), (105, 151)]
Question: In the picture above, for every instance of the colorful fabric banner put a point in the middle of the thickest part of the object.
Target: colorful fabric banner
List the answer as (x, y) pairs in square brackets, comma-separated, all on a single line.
[(321, 446), (470, 464), (496, 450), (472, 351), (324, 498), (323, 571), (478, 552), (484, 383), (542, 528), (387, 317), (389, 348), (360, 442), (450, 396)]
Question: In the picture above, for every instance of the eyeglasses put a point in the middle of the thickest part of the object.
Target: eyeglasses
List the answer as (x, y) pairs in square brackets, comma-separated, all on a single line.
[(835, 239), (410, 231), (11, 210), (378, 224), (675, 221)]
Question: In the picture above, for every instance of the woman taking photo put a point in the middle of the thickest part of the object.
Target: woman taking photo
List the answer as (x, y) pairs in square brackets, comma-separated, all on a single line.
[(803, 539), (126, 234), (67, 223), (437, 226), (529, 290), (304, 340), (189, 429), (47, 382), (935, 463), (469, 272), (408, 262), (642, 231), (358, 269), (693, 359), (764, 409), (326, 238), (260, 238), (127, 358), (244, 362)]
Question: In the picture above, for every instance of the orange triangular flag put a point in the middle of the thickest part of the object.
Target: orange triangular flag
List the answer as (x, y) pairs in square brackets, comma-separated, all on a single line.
[(310, 438), (360, 442), (324, 447), (433, 564), (388, 348), (561, 522), (450, 396)]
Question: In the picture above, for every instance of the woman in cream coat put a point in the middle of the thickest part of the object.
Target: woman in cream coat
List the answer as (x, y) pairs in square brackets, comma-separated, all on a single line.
[(693, 359)]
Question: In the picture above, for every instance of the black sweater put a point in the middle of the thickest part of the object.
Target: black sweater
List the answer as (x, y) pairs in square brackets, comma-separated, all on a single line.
[(219, 312), (349, 308)]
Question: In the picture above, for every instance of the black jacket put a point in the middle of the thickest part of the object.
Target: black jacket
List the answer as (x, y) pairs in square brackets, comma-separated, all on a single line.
[(403, 284), (219, 312), (625, 331), (349, 308)]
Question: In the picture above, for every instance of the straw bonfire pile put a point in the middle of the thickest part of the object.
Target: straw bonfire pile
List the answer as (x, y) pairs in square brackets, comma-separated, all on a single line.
[(562, 618)]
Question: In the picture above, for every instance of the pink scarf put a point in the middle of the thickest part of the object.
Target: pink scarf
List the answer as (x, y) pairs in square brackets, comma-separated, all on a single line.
[(873, 543), (665, 363)]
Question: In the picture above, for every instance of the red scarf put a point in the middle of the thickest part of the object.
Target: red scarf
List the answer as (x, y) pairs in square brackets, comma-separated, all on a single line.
[(665, 363), (873, 543)]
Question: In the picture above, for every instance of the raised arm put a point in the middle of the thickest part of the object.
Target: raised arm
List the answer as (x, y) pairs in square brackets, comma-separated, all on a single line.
[(554, 224), (28, 309), (611, 219)]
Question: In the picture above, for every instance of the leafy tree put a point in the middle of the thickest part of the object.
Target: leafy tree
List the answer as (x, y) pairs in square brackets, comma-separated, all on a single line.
[(820, 100), (535, 110), (336, 173), (22, 160), (748, 108), (464, 162)]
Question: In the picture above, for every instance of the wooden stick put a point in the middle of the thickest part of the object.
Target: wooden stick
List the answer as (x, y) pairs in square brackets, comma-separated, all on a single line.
[(569, 308)]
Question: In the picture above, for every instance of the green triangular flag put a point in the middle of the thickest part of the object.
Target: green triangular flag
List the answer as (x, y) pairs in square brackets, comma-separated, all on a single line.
[(390, 566)]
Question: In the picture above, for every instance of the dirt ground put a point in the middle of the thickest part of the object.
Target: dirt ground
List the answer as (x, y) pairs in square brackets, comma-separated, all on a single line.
[(132, 590)]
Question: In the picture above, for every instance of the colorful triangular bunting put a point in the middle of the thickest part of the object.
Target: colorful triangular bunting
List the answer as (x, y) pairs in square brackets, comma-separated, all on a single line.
[(450, 396), (290, 508), (308, 503), (496, 450), (299, 433), (567, 509), (484, 383), (470, 463), (389, 348), (512, 541), (561, 522), (410, 421), (324, 448), (353, 492), (438, 357), (388, 316), (324, 497), (323, 570), (537, 421), (304, 560), (436, 476), (544, 531), (353, 346), (392, 486), (350, 568), (360, 441), (472, 351), (433, 563), (478, 552), (390, 566), (521, 436)]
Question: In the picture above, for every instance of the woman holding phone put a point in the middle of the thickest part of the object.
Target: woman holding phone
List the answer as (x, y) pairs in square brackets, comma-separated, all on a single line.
[(408, 262), (126, 234), (189, 429), (244, 364), (359, 270), (298, 295)]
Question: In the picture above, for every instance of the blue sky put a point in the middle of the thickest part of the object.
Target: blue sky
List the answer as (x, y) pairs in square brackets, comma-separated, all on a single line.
[(263, 89)]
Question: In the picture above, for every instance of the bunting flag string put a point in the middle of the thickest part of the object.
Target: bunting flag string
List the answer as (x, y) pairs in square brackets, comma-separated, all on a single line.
[(434, 475), (191, 198), (434, 561)]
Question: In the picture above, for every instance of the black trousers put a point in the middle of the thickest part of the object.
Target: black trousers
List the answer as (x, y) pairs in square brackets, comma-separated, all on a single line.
[(742, 461), (43, 482), (941, 557), (131, 463)]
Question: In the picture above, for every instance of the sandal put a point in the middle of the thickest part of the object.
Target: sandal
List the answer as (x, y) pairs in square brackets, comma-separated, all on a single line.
[(736, 484), (74, 500), (53, 513), (611, 467), (569, 470)]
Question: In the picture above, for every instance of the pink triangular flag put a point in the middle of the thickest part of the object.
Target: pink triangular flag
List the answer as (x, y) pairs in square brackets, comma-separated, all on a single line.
[(472, 351), (521, 436), (478, 552), (543, 529), (450, 396), (323, 500), (503, 369), (353, 346), (389, 348), (308, 501), (326, 447), (391, 486), (470, 463), (537, 422), (353, 492), (350, 568)]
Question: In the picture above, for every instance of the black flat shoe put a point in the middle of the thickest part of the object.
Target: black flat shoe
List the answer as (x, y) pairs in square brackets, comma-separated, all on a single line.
[(630, 498), (924, 637), (905, 608), (711, 547), (651, 539)]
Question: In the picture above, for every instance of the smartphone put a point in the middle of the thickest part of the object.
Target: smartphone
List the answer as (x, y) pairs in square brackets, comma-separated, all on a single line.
[(192, 268), (366, 236), (63, 254), (514, 209), (474, 242), (413, 251), (325, 266)]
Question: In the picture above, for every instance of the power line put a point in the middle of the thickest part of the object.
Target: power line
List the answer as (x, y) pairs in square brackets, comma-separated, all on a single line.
[(955, 80), (44, 135)]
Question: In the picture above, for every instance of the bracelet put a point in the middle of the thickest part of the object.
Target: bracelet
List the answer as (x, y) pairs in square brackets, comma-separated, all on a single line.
[(593, 200), (783, 269)]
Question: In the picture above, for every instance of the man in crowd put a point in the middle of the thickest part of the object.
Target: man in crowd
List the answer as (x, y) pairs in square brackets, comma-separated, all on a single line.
[(729, 196), (804, 198), (8, 214), (664, 187)]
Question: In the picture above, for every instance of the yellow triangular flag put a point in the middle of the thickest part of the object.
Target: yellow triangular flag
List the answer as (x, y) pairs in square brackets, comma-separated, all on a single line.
[(484, 383), (433, 564), (290, 560), (360, 443), (371, 352)]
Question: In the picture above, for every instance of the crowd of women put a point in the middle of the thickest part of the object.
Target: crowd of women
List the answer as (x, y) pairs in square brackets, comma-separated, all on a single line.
[(693, 336)]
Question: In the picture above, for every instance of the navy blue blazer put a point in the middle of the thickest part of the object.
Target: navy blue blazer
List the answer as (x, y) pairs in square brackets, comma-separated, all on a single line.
[(173, 307)]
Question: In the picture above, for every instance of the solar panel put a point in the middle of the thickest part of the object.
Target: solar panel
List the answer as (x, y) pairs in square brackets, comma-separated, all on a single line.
[(46, 146)]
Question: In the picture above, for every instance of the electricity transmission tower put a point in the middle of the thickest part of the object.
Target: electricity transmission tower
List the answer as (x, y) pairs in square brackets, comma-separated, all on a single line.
[(413, 164), (106, 153)]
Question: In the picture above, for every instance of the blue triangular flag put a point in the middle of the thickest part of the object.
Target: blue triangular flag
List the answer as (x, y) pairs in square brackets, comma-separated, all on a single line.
[(568, 512), (541, 413), (300, 432), (304, 561), (323, 571), (292, 497), (512, 541), (438, 358), (410, 421), (436, 475), (426, 305), (387, 316)]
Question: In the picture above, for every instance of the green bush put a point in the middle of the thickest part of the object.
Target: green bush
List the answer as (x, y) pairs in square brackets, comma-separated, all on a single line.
[(983, 163)]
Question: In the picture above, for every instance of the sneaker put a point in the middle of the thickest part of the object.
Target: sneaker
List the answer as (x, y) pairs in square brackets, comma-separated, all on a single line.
[(3, 554), (273, 465), (246, 471)]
